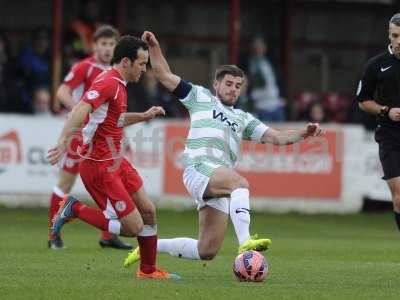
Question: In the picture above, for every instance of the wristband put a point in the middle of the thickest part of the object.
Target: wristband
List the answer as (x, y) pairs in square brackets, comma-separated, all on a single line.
[(384, 112)]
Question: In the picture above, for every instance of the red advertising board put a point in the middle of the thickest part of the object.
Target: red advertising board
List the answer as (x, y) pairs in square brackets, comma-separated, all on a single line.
[(311, 169)]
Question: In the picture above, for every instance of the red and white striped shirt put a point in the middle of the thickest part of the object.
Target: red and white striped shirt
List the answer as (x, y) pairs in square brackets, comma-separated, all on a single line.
[(103, 132), (82, 75)]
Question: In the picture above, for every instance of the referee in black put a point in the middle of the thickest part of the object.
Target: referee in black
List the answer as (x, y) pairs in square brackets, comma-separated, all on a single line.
[(378, 93)]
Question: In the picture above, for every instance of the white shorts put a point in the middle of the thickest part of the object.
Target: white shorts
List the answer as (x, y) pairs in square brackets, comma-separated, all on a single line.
[(196, 184)]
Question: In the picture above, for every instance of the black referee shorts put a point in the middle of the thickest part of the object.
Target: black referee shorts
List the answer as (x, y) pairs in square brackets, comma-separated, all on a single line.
[(389, 152)]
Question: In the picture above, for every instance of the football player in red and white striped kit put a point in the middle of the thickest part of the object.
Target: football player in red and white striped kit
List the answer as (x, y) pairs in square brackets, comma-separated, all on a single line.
[(76, 83), (113, 183)]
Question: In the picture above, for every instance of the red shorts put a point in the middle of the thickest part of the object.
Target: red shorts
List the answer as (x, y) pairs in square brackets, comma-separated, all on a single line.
[(111, 185), (70, 161)]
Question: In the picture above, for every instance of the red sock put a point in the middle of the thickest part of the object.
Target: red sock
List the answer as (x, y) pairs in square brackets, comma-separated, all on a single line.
[(105, 235), (148, 253), (54, 206), (90, 215)]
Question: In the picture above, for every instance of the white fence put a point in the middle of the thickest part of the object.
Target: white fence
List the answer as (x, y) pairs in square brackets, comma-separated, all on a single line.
[(330, 174)]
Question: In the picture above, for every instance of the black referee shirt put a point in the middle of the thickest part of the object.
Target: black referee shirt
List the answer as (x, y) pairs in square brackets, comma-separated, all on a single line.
[(381, 82)]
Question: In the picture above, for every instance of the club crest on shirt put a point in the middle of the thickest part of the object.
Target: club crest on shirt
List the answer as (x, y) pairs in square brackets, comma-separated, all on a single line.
[(69, 163), (92, 94), (120, 206)]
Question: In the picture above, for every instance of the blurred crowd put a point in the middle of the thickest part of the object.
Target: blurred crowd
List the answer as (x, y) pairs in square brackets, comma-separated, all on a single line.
[(25, 76), (26, 69), (264, 94)]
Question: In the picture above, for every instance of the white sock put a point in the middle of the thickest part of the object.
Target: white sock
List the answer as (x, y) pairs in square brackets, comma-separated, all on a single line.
[(59, 192), (114, 226), (181, 247), (148, 230), (239, 212)]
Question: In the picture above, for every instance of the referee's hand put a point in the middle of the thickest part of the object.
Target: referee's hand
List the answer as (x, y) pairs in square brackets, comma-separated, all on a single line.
[(394, 114)]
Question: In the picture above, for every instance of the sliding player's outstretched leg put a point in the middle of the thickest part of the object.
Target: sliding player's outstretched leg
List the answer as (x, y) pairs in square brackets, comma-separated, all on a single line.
[(239, 212), (213, 216), (225, 181), (212, 227)]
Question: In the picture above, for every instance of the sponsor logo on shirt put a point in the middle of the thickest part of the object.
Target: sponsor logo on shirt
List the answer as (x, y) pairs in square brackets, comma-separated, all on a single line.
[(385, 69), (220, 116)]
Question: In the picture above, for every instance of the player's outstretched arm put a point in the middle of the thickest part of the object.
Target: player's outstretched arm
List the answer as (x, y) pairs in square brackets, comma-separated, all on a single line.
[(133, 118), (287, 137), (74, 122), (159, 63)]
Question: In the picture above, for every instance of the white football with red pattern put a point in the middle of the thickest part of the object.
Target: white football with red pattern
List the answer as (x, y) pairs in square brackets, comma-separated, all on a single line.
[(250, 266)]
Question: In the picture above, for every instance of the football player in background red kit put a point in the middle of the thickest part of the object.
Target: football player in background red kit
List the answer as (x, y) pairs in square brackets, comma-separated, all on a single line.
[(77, 81), (113, 183)]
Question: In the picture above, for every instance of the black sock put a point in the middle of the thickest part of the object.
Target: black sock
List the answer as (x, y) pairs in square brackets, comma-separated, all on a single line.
[(397, 218)]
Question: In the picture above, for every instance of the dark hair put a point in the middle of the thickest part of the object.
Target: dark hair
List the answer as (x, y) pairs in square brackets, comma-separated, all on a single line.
[(127, 46), (395, 19), (228, 70), (105, 31)]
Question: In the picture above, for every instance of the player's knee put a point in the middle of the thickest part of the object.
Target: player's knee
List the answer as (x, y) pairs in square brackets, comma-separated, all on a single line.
[(239, 182), (207, 254), (207, 249), (244, 183)]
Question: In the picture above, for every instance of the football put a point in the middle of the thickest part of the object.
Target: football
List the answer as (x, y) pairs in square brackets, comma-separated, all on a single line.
[(250, 266)]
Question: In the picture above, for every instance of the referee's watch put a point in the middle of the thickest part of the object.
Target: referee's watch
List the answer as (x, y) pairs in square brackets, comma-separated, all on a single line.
[(384, 112)]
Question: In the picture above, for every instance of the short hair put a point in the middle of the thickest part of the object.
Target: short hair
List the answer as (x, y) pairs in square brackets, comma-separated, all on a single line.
[(128, 46), (228, 70), (395, 19), (105, 31)]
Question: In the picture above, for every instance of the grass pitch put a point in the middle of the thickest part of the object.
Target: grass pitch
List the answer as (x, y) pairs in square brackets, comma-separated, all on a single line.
[(312, 257)]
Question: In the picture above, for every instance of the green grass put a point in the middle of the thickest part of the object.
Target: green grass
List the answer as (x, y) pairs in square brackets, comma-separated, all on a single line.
[(312, 257)]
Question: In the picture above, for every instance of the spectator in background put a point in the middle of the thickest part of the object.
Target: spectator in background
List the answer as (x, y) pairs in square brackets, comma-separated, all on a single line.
[(338, 106), (82, 30), (10, 79), (3, 73), (35, 63), (264, 90), (149, 93), (244, 101), (316, 113), (302, 103), (41, 102)]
